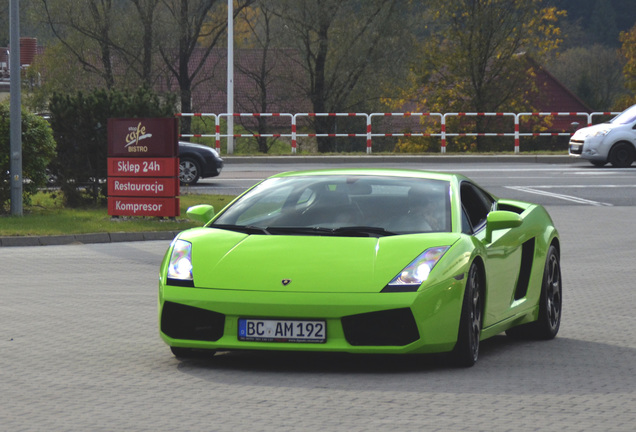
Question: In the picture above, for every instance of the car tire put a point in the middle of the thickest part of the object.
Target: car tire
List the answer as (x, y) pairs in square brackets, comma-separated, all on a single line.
[(466, 351), (547, 325), (189, 353), (622, 155), (189, 171)]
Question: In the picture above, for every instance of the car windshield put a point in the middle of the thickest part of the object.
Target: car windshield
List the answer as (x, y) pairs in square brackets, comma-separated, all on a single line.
[(626, 117), (341, 205)]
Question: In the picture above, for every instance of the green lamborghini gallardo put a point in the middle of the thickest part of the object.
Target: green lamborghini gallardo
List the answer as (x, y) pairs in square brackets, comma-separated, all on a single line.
[(361, 261)]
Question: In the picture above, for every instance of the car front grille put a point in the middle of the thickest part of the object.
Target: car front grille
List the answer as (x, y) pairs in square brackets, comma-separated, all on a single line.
[(394, 327), (180, 321), (576, 148)]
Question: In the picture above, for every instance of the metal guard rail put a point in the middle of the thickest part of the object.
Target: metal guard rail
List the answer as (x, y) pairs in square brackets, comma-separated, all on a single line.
[(443, 133)]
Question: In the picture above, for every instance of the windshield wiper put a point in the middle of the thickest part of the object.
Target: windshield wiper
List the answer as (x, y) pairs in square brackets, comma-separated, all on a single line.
[(349, 231), (301, 230), (246, 229), (363, 231)]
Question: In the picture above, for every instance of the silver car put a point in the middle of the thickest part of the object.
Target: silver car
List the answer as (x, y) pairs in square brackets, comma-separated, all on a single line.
[(613, 142)]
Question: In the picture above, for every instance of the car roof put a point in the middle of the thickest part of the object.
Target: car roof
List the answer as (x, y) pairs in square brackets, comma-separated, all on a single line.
[(191, 144), (381, 172)]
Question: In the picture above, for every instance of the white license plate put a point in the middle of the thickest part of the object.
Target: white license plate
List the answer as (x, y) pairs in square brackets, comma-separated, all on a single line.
[(269, 330)]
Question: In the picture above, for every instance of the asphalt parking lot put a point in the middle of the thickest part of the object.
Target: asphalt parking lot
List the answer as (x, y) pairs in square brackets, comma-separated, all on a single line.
[(80, 351)]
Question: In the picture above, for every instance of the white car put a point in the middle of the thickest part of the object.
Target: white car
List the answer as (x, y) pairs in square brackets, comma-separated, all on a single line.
[(613, 142)]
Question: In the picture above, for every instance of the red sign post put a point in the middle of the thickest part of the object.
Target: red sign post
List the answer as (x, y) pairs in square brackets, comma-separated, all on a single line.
[(143, 167)]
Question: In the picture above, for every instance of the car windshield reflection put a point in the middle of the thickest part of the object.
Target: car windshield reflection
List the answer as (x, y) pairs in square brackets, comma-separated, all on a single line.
[(353, 206), (626, 117)]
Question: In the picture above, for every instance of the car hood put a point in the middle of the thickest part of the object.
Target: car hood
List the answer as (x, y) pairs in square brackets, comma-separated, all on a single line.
[(593, 130), (230, 260)]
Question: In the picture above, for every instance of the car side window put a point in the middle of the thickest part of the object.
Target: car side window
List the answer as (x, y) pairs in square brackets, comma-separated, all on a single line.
[(467, 228), (476, 206)]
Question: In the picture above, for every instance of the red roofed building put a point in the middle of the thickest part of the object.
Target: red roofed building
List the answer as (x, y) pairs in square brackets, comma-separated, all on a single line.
[(554, 97)]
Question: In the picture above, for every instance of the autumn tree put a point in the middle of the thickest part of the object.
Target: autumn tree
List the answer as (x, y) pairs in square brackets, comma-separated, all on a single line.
[(603, 23), (131, 43), (4, 22), (628, 51), (138, 51), (471, 59), (346, 49), (593, 73), (85, 29), (113, 42), (256, 25), (263, 61), (196, 25)]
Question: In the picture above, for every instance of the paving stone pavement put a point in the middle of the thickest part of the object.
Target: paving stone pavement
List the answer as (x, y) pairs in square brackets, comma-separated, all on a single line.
[(80, 351)]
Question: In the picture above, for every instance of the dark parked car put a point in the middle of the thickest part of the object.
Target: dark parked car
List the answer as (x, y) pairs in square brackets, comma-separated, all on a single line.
[(197, 161)]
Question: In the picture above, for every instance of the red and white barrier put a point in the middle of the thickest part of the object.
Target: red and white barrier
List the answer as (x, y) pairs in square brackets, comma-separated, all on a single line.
[(404, 134), (446, 134), (369, 134)]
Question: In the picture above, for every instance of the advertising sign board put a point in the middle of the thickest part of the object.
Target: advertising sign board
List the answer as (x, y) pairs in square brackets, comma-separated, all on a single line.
[(143, 167), (136, 206), (142, 186), (147, 137)]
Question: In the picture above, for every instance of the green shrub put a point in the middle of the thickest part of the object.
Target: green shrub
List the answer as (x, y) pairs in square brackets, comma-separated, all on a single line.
[(79, 124), (38, 148)]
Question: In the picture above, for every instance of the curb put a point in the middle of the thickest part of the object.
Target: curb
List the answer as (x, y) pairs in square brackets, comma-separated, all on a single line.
[(59, 240), (290, 159)]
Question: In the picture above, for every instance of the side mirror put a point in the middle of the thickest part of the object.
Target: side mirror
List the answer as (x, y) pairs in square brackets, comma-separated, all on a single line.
[(499, 220), (201, 213)]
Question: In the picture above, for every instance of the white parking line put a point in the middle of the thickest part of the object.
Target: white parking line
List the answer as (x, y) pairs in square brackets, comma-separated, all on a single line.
[(600, 173), (570, 198), (581, 186)]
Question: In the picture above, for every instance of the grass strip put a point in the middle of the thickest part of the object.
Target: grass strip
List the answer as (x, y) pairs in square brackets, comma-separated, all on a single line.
[(47, 216)]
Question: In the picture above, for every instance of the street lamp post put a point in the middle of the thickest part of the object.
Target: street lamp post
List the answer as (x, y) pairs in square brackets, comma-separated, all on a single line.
[(230, 76), (15, 115)]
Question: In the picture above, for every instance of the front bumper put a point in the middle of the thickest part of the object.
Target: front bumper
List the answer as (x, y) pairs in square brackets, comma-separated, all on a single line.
[(212, 166), (591, 149), (420, 322), (575, 148)]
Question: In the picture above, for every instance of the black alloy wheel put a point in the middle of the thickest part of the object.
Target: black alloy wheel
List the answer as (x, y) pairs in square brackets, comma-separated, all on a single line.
[(622, 155), (189, 171), (550, 303), (466, 350), (551, 298)]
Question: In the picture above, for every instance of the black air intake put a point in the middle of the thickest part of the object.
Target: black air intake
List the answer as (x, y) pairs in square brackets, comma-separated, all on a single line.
[(186, 322), (395, 327)]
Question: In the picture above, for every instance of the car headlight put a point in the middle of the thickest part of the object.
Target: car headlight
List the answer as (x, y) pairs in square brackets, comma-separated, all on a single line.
[(600, 132), (418, 270), (180, 265)]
